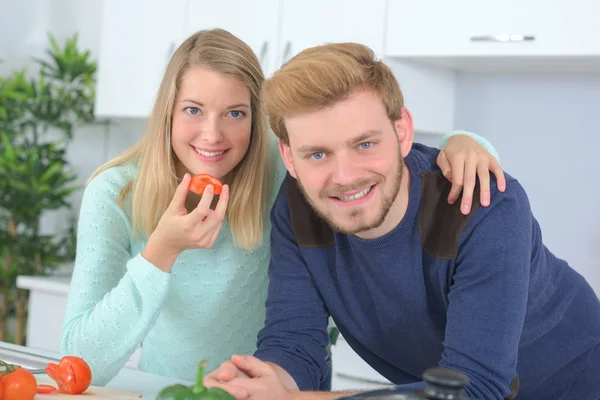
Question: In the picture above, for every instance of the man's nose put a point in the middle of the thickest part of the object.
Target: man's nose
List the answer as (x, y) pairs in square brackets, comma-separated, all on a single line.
[(347, 170)]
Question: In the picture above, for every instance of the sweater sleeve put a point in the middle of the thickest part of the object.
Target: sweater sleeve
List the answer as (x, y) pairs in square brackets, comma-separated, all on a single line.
[(295, 335), (482, 142), (488, 298), (113, 299)]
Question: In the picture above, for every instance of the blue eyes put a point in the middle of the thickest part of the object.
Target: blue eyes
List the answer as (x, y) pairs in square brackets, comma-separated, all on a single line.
[(235, 114), (320, 155), (192, 110)]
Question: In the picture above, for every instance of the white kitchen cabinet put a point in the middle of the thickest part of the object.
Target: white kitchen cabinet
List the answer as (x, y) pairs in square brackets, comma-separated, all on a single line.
[(313, 22), (496, 35), (46, 312), (255, 22), (137, 40)]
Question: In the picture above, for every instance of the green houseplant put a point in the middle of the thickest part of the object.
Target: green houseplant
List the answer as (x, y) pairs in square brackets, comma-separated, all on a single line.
[(38, 113)]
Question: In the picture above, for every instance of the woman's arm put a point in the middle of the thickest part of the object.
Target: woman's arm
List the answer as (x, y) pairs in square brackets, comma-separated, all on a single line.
[(113, 299)]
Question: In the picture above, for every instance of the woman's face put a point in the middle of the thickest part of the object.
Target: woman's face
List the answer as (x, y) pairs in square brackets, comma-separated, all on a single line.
[(212, 122)]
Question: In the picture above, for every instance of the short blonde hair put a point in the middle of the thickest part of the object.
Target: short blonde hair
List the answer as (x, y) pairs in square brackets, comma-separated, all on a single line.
[(321, 76), (156, 180)]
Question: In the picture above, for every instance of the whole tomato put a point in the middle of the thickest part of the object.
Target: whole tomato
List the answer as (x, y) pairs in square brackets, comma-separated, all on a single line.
[(18, 384), (72, 374)]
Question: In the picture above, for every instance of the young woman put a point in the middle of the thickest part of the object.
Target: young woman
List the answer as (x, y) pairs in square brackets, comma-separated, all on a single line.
[(155, 267)]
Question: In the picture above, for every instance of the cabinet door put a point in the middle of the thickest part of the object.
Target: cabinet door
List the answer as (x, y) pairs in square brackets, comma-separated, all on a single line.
[(253, 21), (481, 28), (137, 40), (313, 22)]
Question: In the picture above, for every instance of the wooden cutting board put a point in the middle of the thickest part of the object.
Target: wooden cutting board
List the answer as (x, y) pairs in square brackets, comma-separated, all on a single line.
[(93, 391)]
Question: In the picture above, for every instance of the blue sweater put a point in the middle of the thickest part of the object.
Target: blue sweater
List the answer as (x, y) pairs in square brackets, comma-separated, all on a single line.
[(478, 293)]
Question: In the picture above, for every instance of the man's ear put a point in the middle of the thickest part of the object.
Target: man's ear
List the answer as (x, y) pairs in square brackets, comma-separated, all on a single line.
[(286, 155), (405, 131)]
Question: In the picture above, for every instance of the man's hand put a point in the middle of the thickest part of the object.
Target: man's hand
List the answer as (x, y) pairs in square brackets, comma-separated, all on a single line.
[(248, 378)]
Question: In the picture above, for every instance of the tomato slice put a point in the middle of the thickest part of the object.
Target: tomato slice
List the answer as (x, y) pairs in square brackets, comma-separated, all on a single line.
[(44, 389), (200, 181), (72, 375)]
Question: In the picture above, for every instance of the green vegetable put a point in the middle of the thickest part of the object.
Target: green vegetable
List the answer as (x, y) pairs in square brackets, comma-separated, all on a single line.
[(196, 392)]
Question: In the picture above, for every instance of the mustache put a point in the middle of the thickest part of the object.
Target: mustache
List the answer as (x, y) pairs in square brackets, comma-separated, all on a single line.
[(338, 191)]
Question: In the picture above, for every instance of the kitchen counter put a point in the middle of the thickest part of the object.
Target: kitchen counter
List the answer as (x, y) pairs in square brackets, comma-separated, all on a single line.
[(127, 379)]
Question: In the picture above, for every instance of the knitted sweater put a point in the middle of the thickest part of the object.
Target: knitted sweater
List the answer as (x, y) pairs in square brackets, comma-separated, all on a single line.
[(210, 306)]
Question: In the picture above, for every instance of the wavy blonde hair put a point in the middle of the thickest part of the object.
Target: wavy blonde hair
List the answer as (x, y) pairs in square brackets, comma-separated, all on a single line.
[(321, 76), (154, 185)]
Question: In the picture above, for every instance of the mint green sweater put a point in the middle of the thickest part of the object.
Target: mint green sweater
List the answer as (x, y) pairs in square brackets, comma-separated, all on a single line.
[(210, 306)]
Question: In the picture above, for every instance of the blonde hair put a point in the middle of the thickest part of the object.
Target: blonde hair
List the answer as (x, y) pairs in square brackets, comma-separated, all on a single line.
[(154, 185), (321, 76)]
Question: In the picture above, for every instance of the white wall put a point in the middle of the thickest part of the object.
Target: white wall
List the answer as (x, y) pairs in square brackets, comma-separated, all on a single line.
[(547, 133)]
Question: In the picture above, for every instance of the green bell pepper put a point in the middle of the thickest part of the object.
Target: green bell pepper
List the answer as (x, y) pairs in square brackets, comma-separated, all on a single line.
[(195, 392)]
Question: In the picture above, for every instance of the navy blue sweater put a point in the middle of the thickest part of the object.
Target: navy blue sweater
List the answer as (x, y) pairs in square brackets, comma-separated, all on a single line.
[(478, 293)]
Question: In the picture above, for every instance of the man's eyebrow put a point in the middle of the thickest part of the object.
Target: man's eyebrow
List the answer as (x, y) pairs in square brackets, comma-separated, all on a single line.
[(351, 142), (363, 137)]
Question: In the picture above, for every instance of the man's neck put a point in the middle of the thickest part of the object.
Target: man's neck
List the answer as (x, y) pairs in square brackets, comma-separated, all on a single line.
[(397, 211)]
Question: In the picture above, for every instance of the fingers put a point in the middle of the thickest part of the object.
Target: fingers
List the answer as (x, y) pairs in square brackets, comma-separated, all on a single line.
[(457, 179), (251, 365), (239, 392), (221, 207), (499, 173), (181, 192), (484, 184), (203, 209), (470, 179), (226, 372), (442, 162), (203, 206), (222, 378)]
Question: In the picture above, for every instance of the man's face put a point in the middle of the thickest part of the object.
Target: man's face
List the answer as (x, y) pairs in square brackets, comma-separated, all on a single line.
[(348, 161)]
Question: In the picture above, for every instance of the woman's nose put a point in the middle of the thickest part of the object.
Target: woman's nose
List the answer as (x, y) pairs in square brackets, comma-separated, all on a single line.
[(211, 131)]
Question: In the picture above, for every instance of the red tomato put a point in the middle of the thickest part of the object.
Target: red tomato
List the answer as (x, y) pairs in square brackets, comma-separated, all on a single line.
[(200, 181), (43, 389), (72, 374), (18, 384)]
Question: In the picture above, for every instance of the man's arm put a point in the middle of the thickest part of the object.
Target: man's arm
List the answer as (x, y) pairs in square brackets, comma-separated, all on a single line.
[(488, 297), (295, 334)]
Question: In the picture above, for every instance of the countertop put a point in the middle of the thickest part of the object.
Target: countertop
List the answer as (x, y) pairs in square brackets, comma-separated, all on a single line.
[(57, 282), (149, 385)]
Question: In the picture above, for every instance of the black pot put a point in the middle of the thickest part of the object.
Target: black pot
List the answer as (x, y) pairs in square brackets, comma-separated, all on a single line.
[(440, 384)]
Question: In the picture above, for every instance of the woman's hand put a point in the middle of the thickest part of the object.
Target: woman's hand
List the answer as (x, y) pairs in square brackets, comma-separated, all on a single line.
[(179, 230), (463, 160)]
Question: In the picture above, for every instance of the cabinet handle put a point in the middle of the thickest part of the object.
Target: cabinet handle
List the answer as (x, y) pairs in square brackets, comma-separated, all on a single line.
[(503, 38), (263, 53), (286, 52)]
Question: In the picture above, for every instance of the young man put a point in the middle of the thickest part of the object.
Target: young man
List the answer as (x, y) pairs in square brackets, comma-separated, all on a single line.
[(362, 231)]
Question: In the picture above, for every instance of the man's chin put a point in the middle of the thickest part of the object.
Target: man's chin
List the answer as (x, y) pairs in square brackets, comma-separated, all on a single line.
[(346, 226)]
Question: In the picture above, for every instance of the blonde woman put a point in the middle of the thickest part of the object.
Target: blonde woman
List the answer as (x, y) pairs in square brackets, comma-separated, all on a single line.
[(187, 279)]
